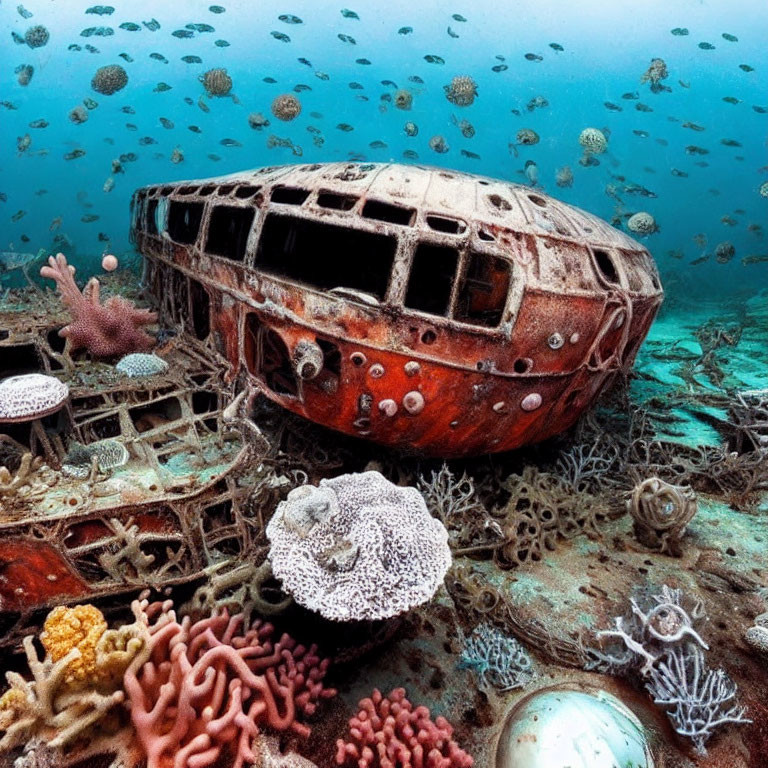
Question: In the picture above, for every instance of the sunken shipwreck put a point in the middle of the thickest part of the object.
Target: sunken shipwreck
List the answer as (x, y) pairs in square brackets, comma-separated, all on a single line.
[(383, 387)]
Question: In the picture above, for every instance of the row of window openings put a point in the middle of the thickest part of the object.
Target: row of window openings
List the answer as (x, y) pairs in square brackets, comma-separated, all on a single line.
[(230, 226), (342, 260), (290, 247), (372, 209)]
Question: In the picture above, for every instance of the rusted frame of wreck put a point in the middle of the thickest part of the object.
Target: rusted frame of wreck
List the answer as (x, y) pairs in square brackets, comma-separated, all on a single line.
[(552, 251), (93, 544)]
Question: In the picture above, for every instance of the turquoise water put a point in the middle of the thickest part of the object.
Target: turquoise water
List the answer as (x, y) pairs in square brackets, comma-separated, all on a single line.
[(606, 50)]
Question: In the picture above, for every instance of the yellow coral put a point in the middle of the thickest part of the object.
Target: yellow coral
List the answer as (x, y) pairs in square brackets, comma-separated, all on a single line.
[(80, 627), (13, 700)]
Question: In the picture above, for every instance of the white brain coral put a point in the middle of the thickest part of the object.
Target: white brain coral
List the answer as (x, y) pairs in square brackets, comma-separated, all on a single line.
[(358, 547)]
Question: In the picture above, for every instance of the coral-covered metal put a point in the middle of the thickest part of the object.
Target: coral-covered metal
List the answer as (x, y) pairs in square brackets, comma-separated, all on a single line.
[(437, 311)]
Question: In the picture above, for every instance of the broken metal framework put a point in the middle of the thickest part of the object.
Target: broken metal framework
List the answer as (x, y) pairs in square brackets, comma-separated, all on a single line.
[(177, 509), (437, 311)]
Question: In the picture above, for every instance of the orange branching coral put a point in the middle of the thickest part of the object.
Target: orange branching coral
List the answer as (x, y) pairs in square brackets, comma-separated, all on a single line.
[(111, 329), (80, 627)]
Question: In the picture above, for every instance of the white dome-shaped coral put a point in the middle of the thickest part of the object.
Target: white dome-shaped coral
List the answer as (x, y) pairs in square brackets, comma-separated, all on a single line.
[(357, 547)]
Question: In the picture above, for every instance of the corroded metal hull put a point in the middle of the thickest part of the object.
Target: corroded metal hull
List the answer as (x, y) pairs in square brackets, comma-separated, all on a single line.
[(435, 311)]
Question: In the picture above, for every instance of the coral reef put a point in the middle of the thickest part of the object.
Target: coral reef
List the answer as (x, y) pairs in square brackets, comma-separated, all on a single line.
[(388, 732), (462, 91), (31, 396), (357, 547), (75, 685), (475, 596), (540, 509), (10, 482), (105, 330), (697, 699), (453, 501), (109, 79), (212, 685), (216, 82), (498, 660), (67, 628), (286, 107), (665, 648), (105, 454), (661, 513)]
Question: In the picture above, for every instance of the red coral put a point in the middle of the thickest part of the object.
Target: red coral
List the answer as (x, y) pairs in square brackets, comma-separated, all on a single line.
[(388, 733), (109, 330), (216, 683)]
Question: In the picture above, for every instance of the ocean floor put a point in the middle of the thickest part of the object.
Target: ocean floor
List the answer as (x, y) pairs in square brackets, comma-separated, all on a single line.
[(543, 547)]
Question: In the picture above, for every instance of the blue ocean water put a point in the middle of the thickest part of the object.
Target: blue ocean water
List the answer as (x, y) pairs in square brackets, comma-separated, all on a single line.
[(580, 56)]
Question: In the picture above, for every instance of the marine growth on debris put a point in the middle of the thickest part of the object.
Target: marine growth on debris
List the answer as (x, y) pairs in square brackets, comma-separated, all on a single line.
[(661, 644), (661, 513)]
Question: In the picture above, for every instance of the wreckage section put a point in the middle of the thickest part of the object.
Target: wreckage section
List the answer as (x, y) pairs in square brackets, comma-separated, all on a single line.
[(430, 310), (144, 485)]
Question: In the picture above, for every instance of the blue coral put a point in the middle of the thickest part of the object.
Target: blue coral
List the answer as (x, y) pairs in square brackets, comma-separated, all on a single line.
[(498, 660)]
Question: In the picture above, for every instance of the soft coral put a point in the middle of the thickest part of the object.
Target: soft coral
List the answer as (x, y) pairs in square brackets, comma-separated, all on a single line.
[(106, 330)]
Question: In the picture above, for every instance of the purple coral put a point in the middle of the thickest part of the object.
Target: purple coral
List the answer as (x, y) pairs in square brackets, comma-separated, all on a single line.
[(106, 330)]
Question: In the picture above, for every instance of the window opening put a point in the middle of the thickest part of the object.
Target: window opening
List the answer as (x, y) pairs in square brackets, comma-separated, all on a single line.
[(326, 256), (289, 195), (394, 214), (431, 279), (228, 231), (335, 201), (483, 290), (184, 221), (449, 226), (606, 266)]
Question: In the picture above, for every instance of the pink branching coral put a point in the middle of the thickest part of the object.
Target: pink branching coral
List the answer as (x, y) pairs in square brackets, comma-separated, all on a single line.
[(106, 330), (215, 684), (388, 733)]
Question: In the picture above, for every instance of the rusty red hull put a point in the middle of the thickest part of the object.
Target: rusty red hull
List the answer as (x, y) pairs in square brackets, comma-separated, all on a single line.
[(437, 312)]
